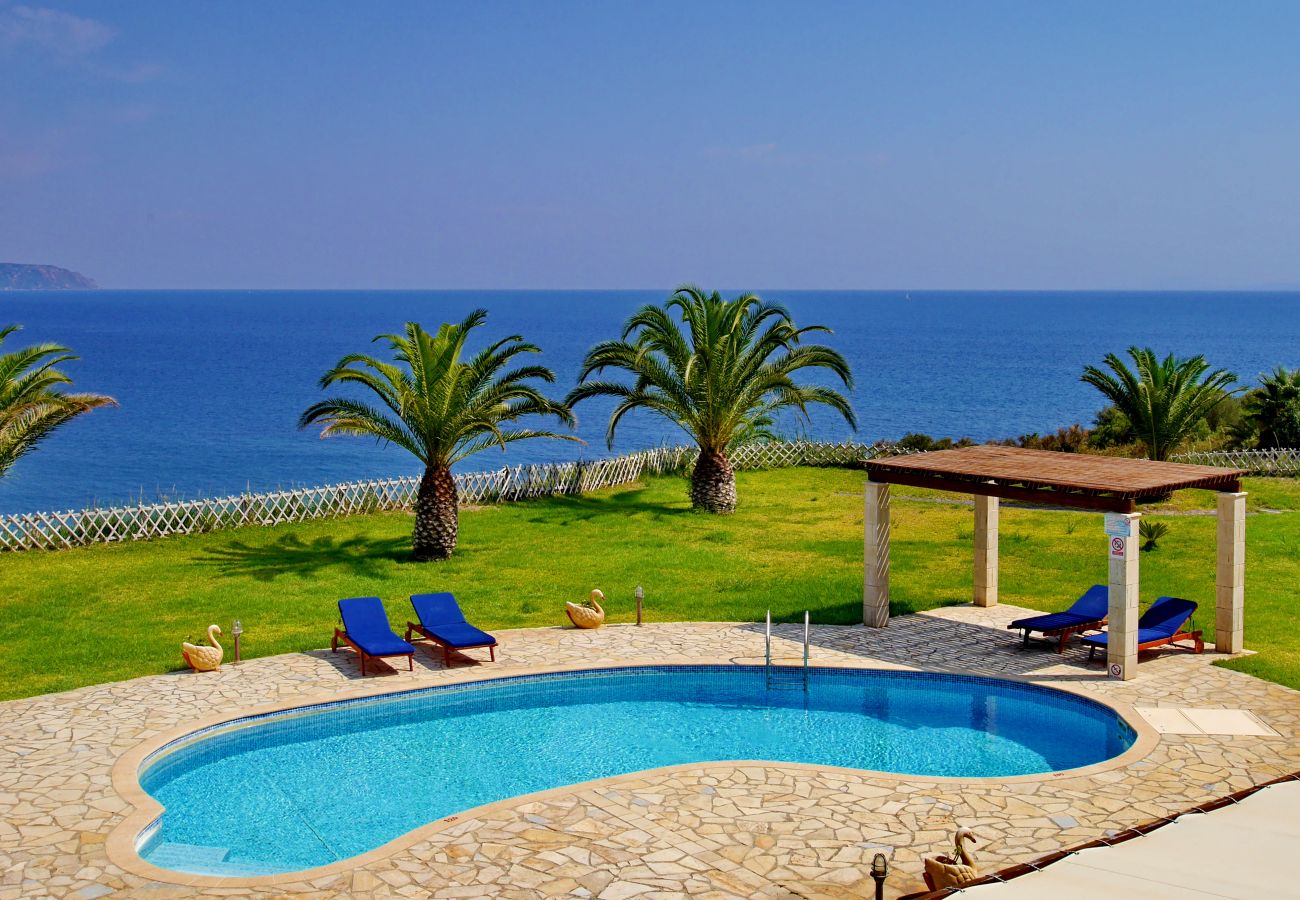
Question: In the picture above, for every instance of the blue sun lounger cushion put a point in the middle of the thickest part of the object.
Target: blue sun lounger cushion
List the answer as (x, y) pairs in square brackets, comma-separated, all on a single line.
[(441, 621), (366, 630), (1089, 611), (1161, 624)]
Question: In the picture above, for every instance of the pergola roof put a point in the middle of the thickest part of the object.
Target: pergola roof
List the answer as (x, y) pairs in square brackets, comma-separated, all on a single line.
[(1077, 480)]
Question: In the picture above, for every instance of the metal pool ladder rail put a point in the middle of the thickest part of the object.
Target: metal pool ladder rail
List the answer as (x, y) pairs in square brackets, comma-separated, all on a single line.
[(781, 678)]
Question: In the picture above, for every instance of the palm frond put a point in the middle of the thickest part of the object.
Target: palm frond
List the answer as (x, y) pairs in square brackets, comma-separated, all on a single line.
[(435, 400), (32, 401), (1164, 400), (711, 366)]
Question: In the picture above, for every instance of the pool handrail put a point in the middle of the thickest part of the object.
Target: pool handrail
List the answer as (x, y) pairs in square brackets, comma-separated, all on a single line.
[(771, 676)]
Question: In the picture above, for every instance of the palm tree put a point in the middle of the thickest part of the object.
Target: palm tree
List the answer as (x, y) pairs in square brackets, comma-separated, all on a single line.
[(1164, 400), (722, 372), (32, 404), (440, 409), (1274, 408)]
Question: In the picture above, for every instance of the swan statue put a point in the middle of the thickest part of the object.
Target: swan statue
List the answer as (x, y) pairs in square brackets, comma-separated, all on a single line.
[(589, 613), (953, 871), (204, 659)]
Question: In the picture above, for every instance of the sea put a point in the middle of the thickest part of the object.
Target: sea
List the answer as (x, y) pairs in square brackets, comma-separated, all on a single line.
[(210, 384)]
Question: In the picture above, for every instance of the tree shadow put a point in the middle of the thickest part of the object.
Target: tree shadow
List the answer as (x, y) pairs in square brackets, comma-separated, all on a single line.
[(291, 555), (582, 508)]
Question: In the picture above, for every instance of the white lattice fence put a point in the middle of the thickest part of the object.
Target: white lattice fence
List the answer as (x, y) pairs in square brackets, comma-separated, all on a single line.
[(74, 528), (1257, 462)]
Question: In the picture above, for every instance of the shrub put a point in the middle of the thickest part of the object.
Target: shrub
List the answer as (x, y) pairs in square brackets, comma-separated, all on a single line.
[(1111, 428), (1151, 533), (1066, 440), (924, 443)]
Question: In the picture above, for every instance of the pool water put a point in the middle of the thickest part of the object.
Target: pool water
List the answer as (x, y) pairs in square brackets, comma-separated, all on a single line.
[(292, 791)]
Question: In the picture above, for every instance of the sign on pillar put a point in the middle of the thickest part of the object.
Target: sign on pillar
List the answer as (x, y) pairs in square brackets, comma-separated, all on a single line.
[(1121, 629)]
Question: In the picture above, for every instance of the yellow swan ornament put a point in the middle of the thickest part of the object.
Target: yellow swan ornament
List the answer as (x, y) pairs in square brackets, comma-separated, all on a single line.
[(204, 659), (953, 871), (588, 614)]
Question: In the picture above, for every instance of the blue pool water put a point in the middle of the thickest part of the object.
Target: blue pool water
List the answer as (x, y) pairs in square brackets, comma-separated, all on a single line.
[(295, 791)]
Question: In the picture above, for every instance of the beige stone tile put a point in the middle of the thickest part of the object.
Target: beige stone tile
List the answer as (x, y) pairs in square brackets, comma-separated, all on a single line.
[(734, 830)]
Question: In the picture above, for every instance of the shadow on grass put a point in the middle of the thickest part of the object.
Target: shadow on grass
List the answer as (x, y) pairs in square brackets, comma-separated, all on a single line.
[(291, 555), (582, 508)]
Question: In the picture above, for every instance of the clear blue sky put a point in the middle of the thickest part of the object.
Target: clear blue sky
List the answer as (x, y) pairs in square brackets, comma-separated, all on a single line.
[(612, 144)]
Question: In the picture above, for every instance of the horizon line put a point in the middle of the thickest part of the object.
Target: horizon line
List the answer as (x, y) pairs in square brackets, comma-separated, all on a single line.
[(1284, 289)]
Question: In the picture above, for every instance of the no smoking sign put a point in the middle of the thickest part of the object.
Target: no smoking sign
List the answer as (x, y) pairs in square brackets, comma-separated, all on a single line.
[(1117, 547)]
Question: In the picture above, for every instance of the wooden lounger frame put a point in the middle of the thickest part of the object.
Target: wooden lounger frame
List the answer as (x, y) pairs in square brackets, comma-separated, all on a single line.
[(1064, 634), (417, 628), (1160, 642), (341, 635)]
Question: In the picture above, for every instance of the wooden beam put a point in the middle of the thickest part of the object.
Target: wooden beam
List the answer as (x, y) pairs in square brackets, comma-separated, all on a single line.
[(1006, 492)]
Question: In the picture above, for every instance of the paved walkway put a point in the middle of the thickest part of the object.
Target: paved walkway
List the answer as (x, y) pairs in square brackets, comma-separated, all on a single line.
[(1241, 852), (717, 830)]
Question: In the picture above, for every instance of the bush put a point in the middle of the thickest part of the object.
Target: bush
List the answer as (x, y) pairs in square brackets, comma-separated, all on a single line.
[(924, 443), (1066, 440), (1111, 428)]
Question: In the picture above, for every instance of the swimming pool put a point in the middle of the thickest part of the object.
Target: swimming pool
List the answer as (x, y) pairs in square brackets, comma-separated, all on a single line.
[(295, 790)]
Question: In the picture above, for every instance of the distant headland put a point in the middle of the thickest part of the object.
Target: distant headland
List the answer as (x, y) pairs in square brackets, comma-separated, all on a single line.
[(24, 277)]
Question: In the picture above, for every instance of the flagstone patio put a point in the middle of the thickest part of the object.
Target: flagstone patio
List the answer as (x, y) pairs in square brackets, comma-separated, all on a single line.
[(715, 830)]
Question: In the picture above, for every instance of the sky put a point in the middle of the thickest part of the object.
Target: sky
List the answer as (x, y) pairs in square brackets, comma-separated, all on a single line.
[(960, 145)]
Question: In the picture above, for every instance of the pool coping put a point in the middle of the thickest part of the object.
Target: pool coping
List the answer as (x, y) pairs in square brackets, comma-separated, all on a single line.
[(122, 842)]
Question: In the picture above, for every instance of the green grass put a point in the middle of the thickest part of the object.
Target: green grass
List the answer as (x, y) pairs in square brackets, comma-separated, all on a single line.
[(110, 612)]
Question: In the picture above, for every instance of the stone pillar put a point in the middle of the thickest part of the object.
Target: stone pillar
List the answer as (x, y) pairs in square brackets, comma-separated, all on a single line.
[(1230, 574), (1121, 627), (986, 551), (875, 583)]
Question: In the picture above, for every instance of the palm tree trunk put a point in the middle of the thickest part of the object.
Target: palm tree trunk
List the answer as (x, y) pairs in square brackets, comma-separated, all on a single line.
[(713, 483), (436, 521)]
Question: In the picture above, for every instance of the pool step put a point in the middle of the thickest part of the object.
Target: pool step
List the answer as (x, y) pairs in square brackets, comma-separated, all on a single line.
[(787, 680), (200, 860), (183, 856)]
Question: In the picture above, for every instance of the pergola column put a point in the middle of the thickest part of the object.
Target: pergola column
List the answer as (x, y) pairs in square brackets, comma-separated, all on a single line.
[(1230, 574), (1121, 626), (875, 585), (986, 551)]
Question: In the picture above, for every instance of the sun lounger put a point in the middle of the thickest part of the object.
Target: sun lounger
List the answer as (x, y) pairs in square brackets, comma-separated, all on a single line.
[(441, 621), (1088, 612), (366, 630), (1161, 624)]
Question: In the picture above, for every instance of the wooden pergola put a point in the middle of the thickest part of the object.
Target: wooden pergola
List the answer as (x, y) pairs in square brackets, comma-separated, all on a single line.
[(1114, 485)]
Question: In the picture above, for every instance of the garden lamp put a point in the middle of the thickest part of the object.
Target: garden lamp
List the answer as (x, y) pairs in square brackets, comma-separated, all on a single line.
[(237, 629), (640, 595), (879, 871)]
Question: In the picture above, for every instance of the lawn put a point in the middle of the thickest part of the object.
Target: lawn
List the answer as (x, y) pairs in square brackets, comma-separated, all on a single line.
[(111, 612)]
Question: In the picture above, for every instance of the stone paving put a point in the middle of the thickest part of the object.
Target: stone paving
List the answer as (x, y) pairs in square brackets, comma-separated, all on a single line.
[(715, 830)]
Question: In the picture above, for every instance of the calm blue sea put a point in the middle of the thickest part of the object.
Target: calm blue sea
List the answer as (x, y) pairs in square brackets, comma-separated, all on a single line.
[(211, 383)]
